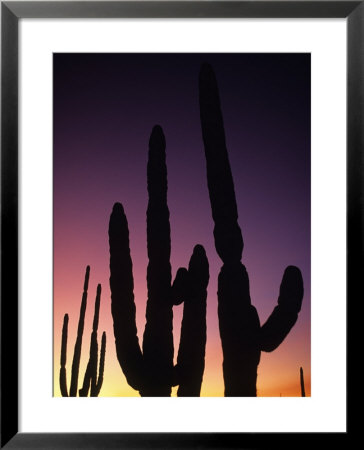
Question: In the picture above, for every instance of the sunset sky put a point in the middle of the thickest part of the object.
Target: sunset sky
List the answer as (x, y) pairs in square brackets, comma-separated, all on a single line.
[(105, 106)]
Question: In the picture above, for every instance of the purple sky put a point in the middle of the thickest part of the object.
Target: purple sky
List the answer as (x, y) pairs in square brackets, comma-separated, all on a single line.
[(105, 106)]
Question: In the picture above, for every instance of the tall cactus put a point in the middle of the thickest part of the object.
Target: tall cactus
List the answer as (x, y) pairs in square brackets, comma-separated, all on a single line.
[(242, 337), (151, 370), (90, 377)]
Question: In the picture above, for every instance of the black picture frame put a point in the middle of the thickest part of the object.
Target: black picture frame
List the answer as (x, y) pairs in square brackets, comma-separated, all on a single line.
[(11, 12)]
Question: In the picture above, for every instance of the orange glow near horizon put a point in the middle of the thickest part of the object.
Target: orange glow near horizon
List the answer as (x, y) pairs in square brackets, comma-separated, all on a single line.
[(272, 380)]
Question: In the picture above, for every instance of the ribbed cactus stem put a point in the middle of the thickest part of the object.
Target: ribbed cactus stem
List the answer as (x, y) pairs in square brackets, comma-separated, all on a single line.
[(303, 393), (63, 373), (158, 338), (78, 344)]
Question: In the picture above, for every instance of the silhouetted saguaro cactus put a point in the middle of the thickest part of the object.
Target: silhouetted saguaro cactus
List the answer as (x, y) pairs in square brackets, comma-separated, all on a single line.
[(151, 371), (91, 370), (302, 381), (242, 336)]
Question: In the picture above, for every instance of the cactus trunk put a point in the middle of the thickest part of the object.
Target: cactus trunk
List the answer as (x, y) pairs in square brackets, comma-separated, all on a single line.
[(158, 337), (238, 320)]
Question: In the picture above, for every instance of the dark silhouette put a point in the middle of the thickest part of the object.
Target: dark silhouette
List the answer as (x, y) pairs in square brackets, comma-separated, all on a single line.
[(242, 336), (151, 371), (191, 353), (91, 370), (63, 373), (90, 377), (303, 393), (78, 343)]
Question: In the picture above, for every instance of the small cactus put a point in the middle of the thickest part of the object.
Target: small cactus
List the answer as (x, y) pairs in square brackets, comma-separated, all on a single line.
[(63, 373), (151, 370), (302, 381), (90, 377), (78, 343)]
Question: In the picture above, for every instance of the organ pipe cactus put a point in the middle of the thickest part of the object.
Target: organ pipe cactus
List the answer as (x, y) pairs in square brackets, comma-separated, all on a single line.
[(150, 370), (90, 377), (242, 336), (63, 373)]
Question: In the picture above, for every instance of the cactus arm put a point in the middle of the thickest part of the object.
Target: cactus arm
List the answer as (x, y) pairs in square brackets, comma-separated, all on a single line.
[(63, 373), (101, 365), (122, 299), (302, 381), (158, 338), (285, 314), (78, 343), (191, 353)]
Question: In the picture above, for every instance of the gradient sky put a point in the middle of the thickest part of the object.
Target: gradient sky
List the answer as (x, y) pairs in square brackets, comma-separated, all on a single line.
[(105, 106)]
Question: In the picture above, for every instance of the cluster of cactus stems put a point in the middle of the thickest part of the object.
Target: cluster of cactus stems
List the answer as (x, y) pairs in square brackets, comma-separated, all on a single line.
[(242, 336), (93, 379), (151, 370)]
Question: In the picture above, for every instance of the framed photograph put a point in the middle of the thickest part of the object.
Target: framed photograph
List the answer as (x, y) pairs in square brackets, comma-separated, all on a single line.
[(181, 217)]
